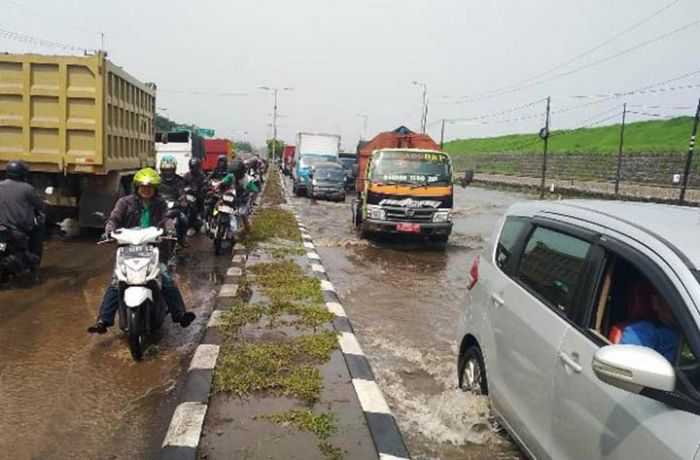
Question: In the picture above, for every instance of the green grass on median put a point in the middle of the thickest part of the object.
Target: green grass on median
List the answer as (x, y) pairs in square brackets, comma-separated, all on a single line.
[(284, 281)]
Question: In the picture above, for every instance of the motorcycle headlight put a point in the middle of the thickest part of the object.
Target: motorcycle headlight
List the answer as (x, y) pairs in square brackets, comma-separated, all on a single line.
[(376, 213), (441, 217)]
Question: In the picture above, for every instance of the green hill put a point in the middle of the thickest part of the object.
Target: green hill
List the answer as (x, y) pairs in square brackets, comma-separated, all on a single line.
[(663, 136)]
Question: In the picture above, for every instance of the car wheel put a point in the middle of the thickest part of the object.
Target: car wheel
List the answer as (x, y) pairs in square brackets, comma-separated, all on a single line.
[(472, 372)]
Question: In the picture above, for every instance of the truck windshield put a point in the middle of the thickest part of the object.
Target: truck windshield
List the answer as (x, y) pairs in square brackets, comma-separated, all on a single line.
[(329, 174), (308, 160), (410, 167)]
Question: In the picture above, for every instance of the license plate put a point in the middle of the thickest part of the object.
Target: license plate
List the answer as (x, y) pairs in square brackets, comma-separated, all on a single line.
[(410, 228), (191, 198), (229, 198), (3, 246)]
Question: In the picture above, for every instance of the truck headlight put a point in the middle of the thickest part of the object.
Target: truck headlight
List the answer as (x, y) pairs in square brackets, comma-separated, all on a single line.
[(314, 182), (441, 217), (376, 213)]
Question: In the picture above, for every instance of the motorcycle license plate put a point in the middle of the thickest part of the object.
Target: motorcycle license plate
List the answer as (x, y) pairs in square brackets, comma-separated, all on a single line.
[(3, 247), (191, 198), (136, 251), (229, 198), (226, 209), (409, 228)]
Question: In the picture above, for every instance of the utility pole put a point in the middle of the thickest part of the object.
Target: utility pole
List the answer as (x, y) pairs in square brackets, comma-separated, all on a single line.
[(619, 151), (365, 118), (689, 157), (274, 90), (424, 105), (544, 135), (442, 133)]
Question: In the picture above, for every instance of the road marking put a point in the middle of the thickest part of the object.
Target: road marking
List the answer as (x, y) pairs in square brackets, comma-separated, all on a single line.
[(327, 286), (234, 271), (215, 318), (309, 245), (391, 457), (336, 309), (205, 356), (318, 268), (370, 396), (186, 426), (228, 290), (349, 344), (313, 255)]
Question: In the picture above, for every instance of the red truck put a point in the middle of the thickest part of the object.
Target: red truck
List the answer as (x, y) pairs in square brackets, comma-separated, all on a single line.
[(288, 159), (213, 148)]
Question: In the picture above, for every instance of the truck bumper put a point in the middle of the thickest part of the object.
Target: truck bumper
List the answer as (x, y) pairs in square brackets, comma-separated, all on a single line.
[(427, 229)]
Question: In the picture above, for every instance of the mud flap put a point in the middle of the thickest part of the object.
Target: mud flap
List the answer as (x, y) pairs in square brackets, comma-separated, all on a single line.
[(98, 194)]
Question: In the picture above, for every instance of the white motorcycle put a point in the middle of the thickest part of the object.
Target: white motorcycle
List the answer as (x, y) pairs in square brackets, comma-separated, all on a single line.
[(137, 269)]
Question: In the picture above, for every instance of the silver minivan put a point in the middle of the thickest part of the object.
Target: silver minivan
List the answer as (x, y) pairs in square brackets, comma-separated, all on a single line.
[(582, 325)]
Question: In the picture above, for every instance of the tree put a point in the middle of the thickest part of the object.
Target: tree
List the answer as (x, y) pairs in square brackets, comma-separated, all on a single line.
[(243, 147), (279, 148), (164, 123)]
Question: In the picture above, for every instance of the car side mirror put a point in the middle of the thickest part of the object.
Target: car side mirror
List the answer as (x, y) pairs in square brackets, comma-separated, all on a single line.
[(633, 368), (467, 178)]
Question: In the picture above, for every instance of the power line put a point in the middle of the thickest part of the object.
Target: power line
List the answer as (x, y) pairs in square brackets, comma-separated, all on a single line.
[(582, 55), (53, 18), (589, 65), (202, 93), (28, 39)]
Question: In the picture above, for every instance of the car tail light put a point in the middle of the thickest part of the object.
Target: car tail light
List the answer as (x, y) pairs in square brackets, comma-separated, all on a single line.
[(474, 273)]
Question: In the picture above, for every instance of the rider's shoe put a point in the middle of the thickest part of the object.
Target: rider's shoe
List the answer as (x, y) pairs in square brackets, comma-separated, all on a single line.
[(99, 328)]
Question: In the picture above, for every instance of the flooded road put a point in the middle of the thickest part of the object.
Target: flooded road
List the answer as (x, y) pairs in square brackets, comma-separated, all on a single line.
[(403, 300), (67, 394)]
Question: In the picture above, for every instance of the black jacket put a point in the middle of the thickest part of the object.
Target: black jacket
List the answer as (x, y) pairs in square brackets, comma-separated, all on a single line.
[(20, 204)]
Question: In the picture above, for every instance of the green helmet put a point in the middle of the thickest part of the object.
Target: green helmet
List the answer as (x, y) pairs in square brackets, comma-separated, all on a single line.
[(168, 162), (147, 176)]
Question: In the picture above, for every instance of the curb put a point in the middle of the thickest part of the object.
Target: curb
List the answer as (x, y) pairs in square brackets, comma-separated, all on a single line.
[(382, 425), (185, 430)]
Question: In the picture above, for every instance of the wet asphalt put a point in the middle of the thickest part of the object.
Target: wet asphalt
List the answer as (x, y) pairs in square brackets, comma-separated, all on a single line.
[(68, 394), (403, 297)]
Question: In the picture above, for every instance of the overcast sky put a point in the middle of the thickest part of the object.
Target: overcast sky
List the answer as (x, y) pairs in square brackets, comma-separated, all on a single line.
[(345, 58)]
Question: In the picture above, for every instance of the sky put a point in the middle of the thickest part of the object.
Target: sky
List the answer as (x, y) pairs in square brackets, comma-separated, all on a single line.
[(488, 65)]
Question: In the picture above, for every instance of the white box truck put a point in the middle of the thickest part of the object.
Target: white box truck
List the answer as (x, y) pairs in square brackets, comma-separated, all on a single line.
[(311, 148)]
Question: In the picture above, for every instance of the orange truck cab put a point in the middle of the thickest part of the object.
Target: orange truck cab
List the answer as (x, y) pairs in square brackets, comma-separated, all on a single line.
[(404, 185)]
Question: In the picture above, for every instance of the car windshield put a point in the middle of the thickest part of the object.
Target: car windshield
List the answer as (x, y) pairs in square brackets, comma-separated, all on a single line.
[(347, 162), (329, 174), (410, 167), (309, 160)]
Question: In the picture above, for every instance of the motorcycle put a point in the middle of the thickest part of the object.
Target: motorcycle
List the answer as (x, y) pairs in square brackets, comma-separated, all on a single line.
[(192, 210), (137, 269), (15, 257), (225, 221)]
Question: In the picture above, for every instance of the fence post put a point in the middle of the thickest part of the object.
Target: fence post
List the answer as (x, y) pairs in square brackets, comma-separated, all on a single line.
[(689, 157), (544, 135), (619, 152)]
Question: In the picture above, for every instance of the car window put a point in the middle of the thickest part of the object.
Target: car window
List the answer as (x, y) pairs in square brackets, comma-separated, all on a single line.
[(553, 265), (507, 239)]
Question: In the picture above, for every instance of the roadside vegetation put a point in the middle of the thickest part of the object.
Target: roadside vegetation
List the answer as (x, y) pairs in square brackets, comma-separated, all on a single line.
[(289, 305), (663, 136)]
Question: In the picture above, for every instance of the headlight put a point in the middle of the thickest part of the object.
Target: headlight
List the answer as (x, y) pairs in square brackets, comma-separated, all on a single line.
[(440, 217), (376, 213), (314, 182)]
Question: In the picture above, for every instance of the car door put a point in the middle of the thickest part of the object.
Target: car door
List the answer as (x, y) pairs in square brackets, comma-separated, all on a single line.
[(594, 420), (530, 302)]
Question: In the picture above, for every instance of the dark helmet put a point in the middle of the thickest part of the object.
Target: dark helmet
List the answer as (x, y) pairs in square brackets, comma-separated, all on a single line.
[(222, 162), (195, 164), (253, 163), (237, 168), (17, 170)]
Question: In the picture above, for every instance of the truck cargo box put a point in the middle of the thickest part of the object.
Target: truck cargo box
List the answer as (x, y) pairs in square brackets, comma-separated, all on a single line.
[(74, 114), (213, 148)]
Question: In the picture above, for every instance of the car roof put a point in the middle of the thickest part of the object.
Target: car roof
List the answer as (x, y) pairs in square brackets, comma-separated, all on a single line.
[(326, 165), (677, 227)]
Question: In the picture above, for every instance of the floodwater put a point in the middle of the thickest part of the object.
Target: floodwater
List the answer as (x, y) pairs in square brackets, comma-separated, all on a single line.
[(403, 299), (65, 393)]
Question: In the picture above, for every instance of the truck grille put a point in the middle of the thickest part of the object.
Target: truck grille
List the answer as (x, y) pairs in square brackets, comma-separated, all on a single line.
[(409, 214)]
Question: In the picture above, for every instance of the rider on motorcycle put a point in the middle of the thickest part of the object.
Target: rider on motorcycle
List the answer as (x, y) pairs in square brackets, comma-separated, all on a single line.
[(172, 188), (244, 186), (22, 207), (221, 169), (197, 181), (144, 208)]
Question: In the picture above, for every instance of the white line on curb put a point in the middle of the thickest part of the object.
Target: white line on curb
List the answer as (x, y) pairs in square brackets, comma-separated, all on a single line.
[(186, 425), (309, 245), (215, 318), (306, 236), (349, 344), (237, 259), (336, 309), (391, 457), (234, 271), (205, 357), (228, 290), (370, 396), (327, 286), (313, 255), (318, 268)]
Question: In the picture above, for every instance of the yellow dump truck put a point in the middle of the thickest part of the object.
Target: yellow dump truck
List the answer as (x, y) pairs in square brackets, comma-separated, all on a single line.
[(83, 125)]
